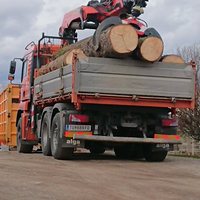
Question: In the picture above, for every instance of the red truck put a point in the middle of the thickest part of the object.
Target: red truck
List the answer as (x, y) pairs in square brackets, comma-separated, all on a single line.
[(100, 103)]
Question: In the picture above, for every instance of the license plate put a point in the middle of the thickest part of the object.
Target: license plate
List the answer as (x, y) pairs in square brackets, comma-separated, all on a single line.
[(78, 128), (164, 146)]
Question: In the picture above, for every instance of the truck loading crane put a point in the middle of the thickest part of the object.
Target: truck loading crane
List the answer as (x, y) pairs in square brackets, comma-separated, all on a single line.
[(99, 103), (101, 15)]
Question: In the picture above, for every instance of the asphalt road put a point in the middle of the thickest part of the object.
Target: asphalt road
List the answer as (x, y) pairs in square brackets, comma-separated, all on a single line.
[(35, 177)]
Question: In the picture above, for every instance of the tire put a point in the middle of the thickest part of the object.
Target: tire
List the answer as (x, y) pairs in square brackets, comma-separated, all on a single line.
[(22, 148), (45, 132), (128, 151), (154, 156), (96, 148), (137, 151), (57, 150), (125, 151)]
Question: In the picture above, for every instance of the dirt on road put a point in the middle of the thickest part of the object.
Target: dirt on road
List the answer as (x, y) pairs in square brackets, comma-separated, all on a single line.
[(34, 177)]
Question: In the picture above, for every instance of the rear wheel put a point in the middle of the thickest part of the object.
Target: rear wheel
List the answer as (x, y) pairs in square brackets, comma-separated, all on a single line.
[(96, 148), (123, 151), (128, 150), (22, 148), (154, 156), (57, 150), (45, 140)]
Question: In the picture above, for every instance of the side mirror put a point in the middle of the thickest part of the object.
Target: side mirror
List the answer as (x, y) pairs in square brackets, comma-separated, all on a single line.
[(11, 75), (12, 67)]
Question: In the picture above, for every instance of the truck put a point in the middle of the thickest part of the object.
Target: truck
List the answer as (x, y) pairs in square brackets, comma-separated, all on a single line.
[(9, 102), (101, 103)]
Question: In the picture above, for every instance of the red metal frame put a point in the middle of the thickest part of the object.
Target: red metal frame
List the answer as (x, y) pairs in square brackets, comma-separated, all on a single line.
[(82, 13), (129, 101)]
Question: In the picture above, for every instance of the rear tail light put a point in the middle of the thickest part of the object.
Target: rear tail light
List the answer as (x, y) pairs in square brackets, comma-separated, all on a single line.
[(78, 118), (170, 122)]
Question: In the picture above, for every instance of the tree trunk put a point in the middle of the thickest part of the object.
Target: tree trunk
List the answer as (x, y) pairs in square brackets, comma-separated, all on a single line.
[(172, 59), (61, 61), (149, 49), (116, 41)]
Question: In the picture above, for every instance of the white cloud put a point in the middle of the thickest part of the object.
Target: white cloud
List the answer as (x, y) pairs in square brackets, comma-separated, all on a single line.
[(177, 21)]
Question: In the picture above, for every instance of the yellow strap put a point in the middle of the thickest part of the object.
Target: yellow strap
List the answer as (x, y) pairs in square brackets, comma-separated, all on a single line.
[(139, 9)]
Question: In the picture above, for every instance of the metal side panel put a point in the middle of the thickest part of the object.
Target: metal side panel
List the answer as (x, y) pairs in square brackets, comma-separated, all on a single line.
[(129, 77), (50, 84), (120, 77)]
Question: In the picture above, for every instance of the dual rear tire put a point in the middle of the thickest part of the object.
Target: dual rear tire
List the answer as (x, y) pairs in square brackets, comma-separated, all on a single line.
[(53, 145), (138, 151), (57, 135), (153, 155), (129, 151)]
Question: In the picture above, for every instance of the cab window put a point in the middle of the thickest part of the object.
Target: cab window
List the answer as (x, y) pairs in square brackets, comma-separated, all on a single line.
[(24, 69)]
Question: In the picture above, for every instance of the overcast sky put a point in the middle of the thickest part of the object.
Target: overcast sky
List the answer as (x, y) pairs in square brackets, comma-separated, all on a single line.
[(23, 21)]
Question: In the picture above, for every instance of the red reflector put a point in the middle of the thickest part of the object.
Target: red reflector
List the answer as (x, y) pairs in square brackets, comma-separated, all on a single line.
[(78, 118), (10, 78), (170, 122), (71, 134), (167, 137)]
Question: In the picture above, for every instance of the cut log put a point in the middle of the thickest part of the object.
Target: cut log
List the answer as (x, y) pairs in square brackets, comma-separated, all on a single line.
[(116, 41), (61, 61), (172, 59), (149, 49)]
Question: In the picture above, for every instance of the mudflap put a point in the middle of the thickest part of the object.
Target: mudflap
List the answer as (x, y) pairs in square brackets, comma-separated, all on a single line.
[(162, 147)]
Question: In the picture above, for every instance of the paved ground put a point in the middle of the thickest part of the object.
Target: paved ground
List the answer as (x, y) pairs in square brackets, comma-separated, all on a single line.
[(34, 177)]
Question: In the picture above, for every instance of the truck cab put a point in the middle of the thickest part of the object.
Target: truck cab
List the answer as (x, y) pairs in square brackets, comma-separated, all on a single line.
[(35, 56)]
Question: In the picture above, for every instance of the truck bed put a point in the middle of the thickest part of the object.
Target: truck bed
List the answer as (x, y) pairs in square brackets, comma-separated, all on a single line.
[(120, 78)]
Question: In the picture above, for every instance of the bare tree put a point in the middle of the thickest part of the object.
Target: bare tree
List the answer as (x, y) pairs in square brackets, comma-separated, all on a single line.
[(190, 119)]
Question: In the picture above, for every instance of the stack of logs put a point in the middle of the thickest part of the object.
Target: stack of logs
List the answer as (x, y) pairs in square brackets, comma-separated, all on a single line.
[(116, 42)]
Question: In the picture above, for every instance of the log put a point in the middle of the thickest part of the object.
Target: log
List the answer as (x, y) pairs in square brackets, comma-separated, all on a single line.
[(149, 49), (61, 61), (116, 41), (172, 59)]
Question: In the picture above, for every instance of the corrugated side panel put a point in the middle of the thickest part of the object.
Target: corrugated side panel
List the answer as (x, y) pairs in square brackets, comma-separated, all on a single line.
[(129, 77), (50, 84), (120, 77), (3, 119), (9, 102)]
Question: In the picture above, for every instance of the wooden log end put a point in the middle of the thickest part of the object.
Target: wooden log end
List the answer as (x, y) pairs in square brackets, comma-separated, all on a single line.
[(172, 59), (151, 49), (69, 56), (123, 38)]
